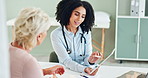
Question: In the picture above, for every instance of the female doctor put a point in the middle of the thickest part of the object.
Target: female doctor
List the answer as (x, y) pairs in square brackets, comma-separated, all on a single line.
[(72, 41)]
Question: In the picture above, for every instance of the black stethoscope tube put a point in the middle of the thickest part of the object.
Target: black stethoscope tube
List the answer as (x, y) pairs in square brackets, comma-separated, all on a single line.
[(67, 48)]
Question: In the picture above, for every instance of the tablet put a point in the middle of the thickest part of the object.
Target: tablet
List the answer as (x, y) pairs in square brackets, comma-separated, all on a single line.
[(103, 61)]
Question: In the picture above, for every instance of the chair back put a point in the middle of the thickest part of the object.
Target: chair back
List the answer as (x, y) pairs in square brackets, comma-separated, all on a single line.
[(53, 57)]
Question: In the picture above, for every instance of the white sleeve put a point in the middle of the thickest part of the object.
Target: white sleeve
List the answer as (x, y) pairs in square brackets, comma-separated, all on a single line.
[(88, 48), (62, 54)]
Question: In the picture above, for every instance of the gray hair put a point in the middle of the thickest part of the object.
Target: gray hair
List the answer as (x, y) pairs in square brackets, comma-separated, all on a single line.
[(28, 25)]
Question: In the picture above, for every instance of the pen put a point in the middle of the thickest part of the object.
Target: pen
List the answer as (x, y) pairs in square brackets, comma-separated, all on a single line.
[(98, 56), (84, 76)]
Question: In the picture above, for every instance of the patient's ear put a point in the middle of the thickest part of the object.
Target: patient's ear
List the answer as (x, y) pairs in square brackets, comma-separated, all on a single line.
[(39, 39)]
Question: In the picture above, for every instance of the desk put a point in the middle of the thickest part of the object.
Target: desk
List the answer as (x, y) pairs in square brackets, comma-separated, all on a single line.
[(104, 71), (68, 73)]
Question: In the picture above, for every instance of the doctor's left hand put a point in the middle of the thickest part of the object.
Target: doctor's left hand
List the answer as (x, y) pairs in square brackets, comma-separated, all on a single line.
[(88, 70), (95, 56)]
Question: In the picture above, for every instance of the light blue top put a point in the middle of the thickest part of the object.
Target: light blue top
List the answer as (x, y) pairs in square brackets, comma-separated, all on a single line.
[(73, 60)]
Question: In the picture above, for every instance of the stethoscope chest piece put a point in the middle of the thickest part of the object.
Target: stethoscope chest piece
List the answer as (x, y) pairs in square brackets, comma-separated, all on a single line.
[(68, 51), (82, 55)]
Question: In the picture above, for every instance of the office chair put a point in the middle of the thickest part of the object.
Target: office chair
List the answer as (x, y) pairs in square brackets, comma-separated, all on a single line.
[(53, 57)]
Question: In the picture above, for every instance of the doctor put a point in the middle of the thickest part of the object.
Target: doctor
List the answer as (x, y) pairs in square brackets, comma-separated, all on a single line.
[(72, 41)]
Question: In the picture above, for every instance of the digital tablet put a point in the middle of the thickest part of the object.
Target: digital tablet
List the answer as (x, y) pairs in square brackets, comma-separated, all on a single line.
[(103, 61)]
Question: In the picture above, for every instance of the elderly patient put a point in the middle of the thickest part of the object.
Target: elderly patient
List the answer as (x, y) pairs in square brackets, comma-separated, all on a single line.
[(30, 30)]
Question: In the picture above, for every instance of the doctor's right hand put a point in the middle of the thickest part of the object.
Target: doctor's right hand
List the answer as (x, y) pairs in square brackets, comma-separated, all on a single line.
[(88, 71), (94, 57)]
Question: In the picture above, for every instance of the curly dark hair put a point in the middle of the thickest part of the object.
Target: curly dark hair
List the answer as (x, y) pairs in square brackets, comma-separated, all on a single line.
[(65, 9)]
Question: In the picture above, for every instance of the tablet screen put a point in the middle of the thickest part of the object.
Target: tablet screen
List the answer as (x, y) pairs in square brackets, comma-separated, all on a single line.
[(100, 63)]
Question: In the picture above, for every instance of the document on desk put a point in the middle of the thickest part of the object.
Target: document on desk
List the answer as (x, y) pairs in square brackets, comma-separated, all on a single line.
[(88, 76), (68, 73), (72, 74)]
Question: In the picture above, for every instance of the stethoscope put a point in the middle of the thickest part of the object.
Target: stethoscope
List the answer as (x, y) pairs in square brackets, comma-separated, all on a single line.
[(67, 48)]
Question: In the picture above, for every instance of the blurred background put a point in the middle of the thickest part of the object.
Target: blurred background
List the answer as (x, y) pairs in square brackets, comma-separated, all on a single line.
[(43, 51)]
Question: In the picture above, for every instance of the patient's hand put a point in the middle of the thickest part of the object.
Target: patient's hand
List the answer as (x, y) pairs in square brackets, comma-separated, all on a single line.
[(88, 71), (58, 69)]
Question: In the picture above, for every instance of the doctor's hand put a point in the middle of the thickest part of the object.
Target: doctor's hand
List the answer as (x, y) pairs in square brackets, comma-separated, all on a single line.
[(57, 69), (54, 76), (95, 56), (88, 71)]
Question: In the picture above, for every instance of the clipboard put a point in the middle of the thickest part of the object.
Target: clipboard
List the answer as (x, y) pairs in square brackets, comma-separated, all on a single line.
[(103, 61)]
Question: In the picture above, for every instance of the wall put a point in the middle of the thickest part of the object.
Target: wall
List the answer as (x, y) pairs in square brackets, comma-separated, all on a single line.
[(14, 6), (49, 6), (4, 54), (108, 6)]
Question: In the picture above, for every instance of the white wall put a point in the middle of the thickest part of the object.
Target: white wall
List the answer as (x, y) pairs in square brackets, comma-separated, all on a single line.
[(4, 55)]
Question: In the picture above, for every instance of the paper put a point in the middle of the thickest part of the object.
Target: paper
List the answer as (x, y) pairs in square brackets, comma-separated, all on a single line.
[(85, 74)]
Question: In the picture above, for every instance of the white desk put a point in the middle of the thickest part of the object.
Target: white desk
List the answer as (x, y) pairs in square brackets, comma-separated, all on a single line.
[(104, 71), (68, 73)]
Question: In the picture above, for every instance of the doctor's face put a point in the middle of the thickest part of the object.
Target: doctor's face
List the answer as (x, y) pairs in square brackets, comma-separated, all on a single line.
[(77, 16)]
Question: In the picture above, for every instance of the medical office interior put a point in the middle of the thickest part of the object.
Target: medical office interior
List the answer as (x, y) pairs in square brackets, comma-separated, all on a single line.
[(126, 31)]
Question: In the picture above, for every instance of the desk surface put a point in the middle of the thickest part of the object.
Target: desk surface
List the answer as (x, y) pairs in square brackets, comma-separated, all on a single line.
[(104, 71), (68, 73)]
